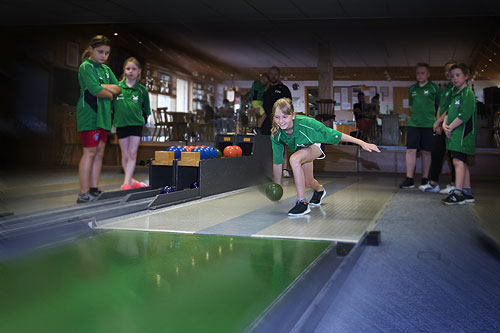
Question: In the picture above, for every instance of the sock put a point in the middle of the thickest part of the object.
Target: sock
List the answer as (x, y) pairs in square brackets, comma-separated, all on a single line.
[(93, 189), (467, 190), (458, 192)]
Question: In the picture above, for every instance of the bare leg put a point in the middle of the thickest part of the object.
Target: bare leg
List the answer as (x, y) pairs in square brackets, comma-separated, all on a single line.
[(467, 177), (310, 181), (411, 160), (124, 147), (84, 168), (97, 165), (426, 163), (303, 156), (133, 145), (459, 173)]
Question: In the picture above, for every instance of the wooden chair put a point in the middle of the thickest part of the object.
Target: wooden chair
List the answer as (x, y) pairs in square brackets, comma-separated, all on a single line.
[(161, 125), (71, 139), (326, 111)]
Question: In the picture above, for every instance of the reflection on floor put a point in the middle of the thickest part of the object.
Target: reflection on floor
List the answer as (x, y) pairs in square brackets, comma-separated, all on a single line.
[(352, 204), (124, 281), (34, 190)]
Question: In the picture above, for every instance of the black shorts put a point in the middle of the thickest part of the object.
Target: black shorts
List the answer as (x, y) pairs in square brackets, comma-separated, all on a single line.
[(459, 156), (420, 138), (126, 131)]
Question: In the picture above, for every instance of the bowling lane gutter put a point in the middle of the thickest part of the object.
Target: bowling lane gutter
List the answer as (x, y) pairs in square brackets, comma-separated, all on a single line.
[(307, 298)]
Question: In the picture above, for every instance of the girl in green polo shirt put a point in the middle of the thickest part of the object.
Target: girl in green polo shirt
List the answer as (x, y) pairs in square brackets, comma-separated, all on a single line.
[(98, 85), (459, 125), (303, 136), (130, 113)]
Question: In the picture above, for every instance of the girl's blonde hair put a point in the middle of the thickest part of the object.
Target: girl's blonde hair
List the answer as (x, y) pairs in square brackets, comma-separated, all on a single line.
[(134, 61), (96, 41), (285, 105)]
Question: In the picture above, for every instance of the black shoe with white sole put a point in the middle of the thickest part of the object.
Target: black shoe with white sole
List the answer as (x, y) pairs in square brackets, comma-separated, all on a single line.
[(317, 197), (301, 208), (408, 183), (454, 199)]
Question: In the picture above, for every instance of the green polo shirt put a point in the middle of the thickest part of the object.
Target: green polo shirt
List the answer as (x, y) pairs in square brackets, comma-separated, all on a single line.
[(93, 112), (130, 105), (446, 98), (423, 101), (306, 131), (257, 91), (463, 137)]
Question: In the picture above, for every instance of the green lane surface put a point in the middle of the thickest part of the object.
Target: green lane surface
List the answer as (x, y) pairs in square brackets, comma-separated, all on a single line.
[(124, 281)]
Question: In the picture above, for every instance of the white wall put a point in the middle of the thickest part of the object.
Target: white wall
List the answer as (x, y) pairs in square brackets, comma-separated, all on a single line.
[(386, 103)]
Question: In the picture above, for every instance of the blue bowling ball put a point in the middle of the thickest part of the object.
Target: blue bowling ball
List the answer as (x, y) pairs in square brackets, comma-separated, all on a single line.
[(177, 152), (202, 151), (213, 152), (195, 184), (167, 189)]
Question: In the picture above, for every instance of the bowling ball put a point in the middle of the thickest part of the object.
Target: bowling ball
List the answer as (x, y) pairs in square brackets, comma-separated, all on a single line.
[(181, 148), (238, 150), (203, 153), (213, 152), (219, 153), (167, 189), (194, 184), (229, 151), (274, 192), (188, 148), (177, 152)]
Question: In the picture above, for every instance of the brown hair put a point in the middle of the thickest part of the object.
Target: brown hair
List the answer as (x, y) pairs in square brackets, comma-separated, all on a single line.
[(423, 64), (285, 105), (96, 41), (451, 62), (463, 67), (134, 61)]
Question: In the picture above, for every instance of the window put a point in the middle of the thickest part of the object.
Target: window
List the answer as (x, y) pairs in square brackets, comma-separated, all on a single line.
[(182, 95)]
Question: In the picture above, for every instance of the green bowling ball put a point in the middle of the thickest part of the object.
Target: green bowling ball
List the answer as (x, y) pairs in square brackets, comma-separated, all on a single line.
[(274, 192), (219, 154)]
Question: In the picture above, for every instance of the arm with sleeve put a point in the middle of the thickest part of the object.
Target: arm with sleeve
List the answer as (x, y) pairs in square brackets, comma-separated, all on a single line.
[(278, 149), (90, 80)]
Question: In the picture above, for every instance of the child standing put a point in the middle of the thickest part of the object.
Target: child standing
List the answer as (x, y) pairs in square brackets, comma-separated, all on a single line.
[(439, 146), (257, 97), (303, 136), (98, 85), (131, 112), (459, 125), (423, 98)]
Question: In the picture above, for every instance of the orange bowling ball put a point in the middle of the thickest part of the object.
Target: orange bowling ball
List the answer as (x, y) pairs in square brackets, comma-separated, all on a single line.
[(189, 148), (229, 151), (238, 150)]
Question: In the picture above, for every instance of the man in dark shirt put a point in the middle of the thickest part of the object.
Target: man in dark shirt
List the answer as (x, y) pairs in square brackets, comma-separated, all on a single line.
[(275, 91)]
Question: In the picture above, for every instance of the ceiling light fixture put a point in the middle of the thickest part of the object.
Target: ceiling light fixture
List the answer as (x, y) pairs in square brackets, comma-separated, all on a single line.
[(116, 34)]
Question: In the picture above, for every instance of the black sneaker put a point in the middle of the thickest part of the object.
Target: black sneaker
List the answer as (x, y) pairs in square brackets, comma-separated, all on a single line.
[(454, 199), (301, 208), (84, 198), (95, 193), (424, 181), (317, 197), (408, 183), (469, 198)]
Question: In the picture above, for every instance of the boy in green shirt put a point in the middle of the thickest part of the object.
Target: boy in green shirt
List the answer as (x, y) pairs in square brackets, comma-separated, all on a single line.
[(257, 97), (459, 125), (423, 98)]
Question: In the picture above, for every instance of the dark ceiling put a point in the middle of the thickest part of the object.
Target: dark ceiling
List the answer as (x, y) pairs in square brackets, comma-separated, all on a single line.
[(257, 34)]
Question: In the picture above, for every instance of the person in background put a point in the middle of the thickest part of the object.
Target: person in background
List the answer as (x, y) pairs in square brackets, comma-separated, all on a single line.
[(131, 112), (459, 125), (98, 86), (275, 91), (225, 118), (257, 97), (423, 97)]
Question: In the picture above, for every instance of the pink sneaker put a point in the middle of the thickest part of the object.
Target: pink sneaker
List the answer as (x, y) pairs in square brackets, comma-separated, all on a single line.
[(125, 187), (136, 184)]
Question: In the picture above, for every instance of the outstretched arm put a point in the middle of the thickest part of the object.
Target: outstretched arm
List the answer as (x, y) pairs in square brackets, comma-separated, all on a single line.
[(366, 146), (277, 173)]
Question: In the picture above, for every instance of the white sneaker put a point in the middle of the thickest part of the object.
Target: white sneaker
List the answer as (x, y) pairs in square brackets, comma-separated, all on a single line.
[(286, 173), (448, 189), (429, 188)]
